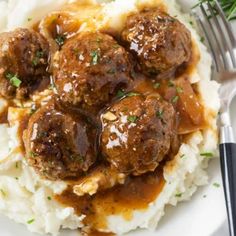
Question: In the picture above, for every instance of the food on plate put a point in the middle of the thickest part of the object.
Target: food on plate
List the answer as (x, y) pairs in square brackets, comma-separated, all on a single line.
[(160, 42), (59, 144), (137, 133), (24, 56), (90, 68), (106, 113)]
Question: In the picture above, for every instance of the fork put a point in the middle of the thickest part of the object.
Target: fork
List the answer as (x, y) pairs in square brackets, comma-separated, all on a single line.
[(222, 44)]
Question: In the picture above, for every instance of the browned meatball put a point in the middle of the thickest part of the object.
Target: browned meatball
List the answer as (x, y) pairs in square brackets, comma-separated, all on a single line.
[(23, 62), (137, 133), (91, 67), (160, 42), (59, 145)]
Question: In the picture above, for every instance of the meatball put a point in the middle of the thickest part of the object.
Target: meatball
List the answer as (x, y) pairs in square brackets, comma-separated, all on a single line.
[(90, 68), (160, 42), (23, 62), (137, 133), (58, 144)]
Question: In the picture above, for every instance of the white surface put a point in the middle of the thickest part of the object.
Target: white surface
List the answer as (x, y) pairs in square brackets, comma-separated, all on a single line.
[(202, 216)]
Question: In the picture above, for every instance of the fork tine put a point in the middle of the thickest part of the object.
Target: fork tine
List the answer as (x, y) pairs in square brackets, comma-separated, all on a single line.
[(215, 37), (208, 40), (228, 47)]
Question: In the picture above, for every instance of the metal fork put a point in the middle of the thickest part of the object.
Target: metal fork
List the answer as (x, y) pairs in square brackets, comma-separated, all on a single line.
[(222, 44)]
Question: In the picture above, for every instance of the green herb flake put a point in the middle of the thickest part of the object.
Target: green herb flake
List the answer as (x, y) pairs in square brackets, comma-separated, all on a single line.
[(14, 80), (60, 39), (190, 22), (33, 154), (95, 57), (179, 89), (156, 85), (29, 19), (202, 39), (132, 94), (160, 113), (16, 178), (35, 61), (132, 119), (49, 198), (207, 154), (3, 193), (16, 165), (175, 99), (216, 185), (120, 94), (171, 84), (178, 195), (30, 221), (182, 156)]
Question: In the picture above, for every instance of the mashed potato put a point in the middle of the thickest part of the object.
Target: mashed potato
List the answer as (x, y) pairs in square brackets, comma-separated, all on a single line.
[(25, 197)]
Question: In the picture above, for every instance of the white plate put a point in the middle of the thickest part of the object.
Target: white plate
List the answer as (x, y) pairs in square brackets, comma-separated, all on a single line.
[(202, 216)]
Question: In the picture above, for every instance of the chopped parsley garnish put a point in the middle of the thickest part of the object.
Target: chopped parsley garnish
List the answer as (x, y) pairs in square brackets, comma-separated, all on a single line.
[(49, 198), (207, 154), (175, 99), (182, 156), (216, 185), (95, 57), (16, 165), (190, 22), (156, 85), (29, 19), (178, 195), (160, 113), (179, 89), (202, 39), (39, 54), (3, 193), (132, 119), (60, 39), (14, 80), (33, 154), (30, 221), (171, 84), (132, 94), (16, 178), (120, 94)]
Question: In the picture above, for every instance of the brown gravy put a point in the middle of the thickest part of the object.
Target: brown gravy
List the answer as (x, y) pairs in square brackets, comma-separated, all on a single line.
[(3, 116), (135, 194)]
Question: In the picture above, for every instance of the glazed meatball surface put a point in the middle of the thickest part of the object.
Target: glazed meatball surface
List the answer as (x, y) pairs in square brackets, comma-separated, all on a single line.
[(59, 145), (160, 42), (90, 68), (137, 133), (23, 62)]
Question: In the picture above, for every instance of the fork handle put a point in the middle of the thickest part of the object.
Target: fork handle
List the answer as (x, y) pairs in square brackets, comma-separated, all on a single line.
[(228, 169)]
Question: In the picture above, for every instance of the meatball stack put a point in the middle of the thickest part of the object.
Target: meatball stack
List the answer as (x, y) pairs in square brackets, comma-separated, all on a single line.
[(132, 133)]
